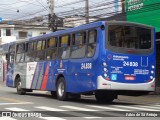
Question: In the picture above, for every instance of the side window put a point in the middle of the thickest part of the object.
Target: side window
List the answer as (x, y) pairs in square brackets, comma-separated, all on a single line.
[(91, 47), (30, 51), (78, 45), (40, 50), (39, 45), (51, 51), (11, 54), (64, 47), (20, 51), (30, 46)]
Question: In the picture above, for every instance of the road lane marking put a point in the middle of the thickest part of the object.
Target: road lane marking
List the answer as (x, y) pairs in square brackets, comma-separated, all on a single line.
[(49, 108), (10, 99), (52, 118), (149, 106), (78, 108), (107, 108), (92, 117), (134, 107), (16, 109), (7, 118), (16, 103)]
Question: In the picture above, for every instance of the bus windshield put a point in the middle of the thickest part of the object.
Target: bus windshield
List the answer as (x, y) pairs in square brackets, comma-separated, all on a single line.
[(129, 37)]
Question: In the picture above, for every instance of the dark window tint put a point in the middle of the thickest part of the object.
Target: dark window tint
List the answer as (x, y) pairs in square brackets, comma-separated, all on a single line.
[(64, 47), (92, 36), (91, 47), (78, 51), (64, 53), (129, 37), (39, 45), (29, 57), (12, 48), (20, 48), (52, 42), (40, 55), (79, 38), (20, 57), (30, 46), (51, 54), (64, 41)]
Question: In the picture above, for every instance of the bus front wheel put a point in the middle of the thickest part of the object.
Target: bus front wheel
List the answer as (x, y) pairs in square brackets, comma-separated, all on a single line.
[(20, 90), (61, 89), (104, 97)]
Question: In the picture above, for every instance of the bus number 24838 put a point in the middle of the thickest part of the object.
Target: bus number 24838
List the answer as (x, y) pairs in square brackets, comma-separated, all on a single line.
[(86, 66)]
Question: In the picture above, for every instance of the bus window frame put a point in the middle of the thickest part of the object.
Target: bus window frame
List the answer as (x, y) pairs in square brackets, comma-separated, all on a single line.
[(68, 46), (41, 50), (51, 48), (19, 53), (125, 50), (30, 51), (11, 53), (84, 44), (95, 42)]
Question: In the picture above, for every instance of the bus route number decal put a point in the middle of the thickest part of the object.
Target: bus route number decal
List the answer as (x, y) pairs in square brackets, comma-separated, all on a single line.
[(134, 64), (86, 66)]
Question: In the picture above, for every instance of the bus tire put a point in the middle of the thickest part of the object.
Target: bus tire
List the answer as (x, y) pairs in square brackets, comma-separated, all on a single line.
[(61, 89), (19, 88), (103, 97)]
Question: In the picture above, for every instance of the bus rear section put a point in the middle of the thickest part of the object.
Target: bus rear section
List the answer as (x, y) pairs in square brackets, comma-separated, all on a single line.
[(128, 60)]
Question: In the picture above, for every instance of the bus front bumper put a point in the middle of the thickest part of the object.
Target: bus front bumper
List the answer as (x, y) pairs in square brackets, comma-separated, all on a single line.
[(103, 84)]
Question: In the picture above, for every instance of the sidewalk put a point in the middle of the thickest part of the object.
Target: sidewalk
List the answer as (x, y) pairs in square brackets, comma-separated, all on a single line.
[(2, 83)]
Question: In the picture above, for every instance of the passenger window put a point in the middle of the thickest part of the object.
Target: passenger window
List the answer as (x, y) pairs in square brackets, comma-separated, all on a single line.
[(52, 42), (64, 47), (30, 51), (20, 51), (30, 46), (43, 44), (78, 49), (51, 52), (91, 47), (39, 45), (40, 56), (29, 57)]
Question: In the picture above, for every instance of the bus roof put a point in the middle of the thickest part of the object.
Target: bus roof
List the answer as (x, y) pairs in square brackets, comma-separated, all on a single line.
[(70, 30)]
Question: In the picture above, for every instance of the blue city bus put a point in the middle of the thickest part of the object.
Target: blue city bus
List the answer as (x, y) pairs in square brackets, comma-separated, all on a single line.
[(105, 59)]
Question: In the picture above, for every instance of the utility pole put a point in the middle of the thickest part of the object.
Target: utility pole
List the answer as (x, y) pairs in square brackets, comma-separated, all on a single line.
[(52, 17), (87, 11), (123, 6), (52, 8)]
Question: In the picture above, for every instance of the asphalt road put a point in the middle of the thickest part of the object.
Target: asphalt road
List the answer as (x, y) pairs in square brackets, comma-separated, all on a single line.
[(40, 105)]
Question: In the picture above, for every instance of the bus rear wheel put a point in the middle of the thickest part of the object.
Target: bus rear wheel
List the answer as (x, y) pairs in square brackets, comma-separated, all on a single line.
[(19, 88), (104, 97), (61, 89)]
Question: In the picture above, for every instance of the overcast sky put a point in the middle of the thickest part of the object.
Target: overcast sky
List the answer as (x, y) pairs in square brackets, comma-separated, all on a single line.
[(23, 9)]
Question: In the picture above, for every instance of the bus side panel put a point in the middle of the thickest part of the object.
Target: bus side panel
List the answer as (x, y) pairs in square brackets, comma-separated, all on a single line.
[(20, 69), (31, 68), (9, 75), (50, 76)]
